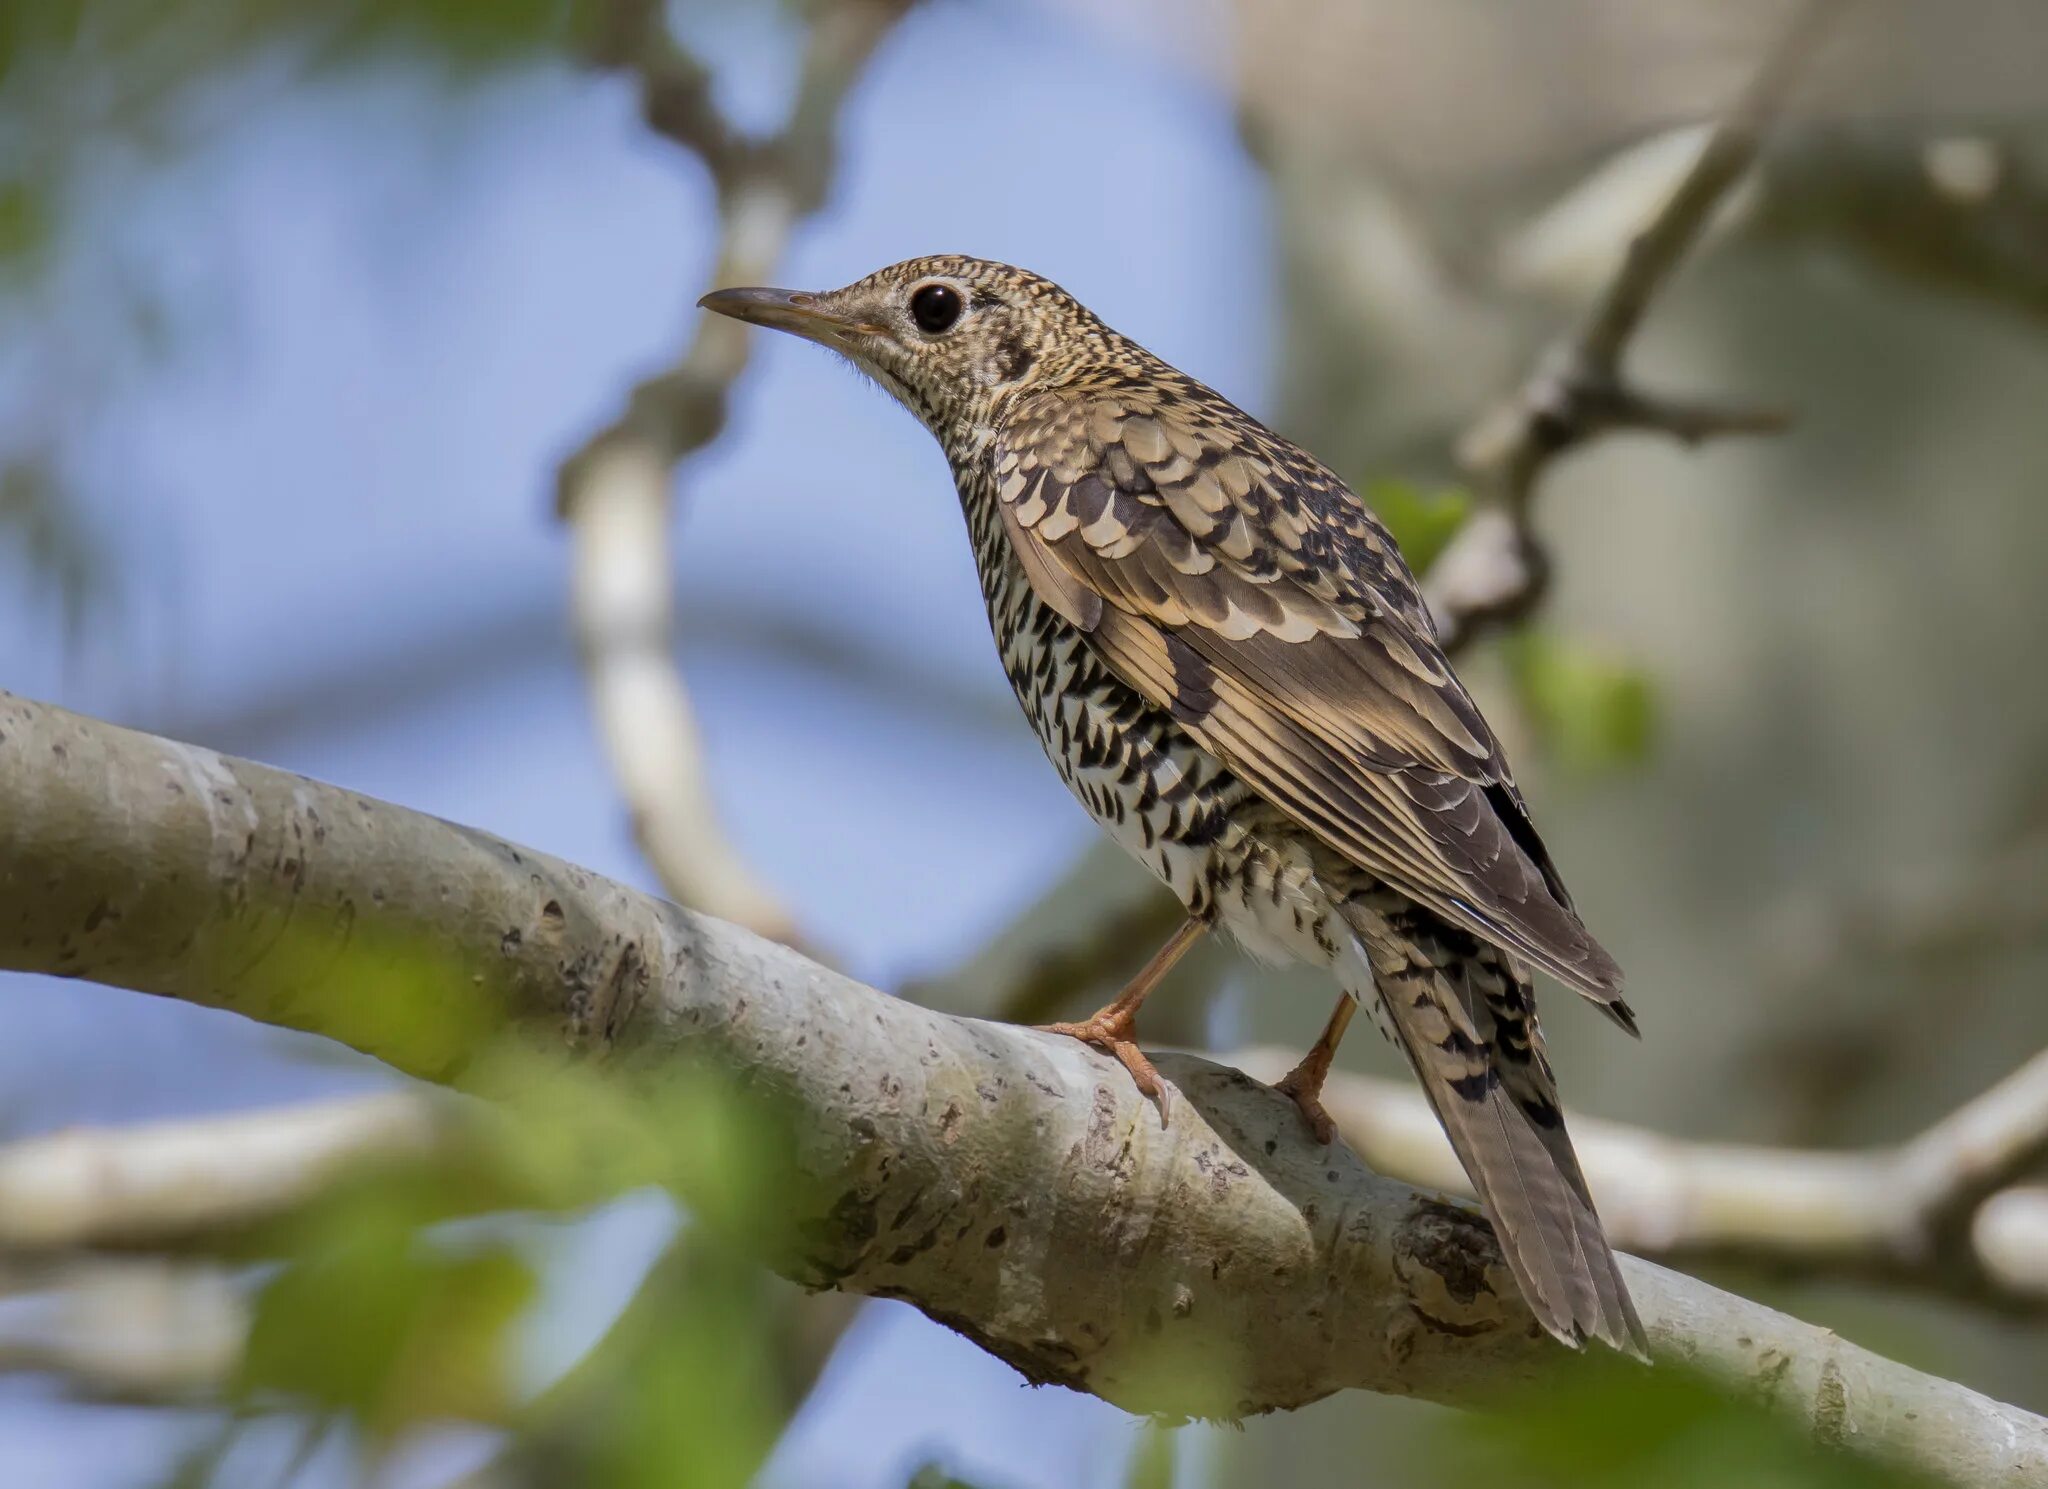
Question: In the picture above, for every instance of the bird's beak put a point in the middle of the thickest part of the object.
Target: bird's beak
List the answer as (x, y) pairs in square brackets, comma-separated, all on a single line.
[(800, 313)]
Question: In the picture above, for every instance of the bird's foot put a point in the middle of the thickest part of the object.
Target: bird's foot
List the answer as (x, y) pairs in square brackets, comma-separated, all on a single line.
[(1306, 1092), (1111, 1033), (1303, 1085)]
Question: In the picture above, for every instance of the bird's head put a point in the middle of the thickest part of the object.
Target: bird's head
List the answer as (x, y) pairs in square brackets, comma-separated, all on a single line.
[(953, 338)]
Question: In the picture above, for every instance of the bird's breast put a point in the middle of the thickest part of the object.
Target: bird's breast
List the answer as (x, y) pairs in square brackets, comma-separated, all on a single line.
[(1164, 799)]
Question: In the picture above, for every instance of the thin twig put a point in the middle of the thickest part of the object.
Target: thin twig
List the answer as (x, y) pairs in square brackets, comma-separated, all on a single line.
[(1730, 150), (1496, 571)]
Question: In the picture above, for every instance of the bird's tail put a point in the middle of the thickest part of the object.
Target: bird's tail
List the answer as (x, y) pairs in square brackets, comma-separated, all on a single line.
[(1466, 1020)]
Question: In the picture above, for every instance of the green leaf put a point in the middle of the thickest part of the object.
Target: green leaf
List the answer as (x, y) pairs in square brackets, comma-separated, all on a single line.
[(375, 1320), (725, 1150), (1617, 1426), (26, 224), (1592, 712), (684, 1393), (1422, 522), (462, 36)]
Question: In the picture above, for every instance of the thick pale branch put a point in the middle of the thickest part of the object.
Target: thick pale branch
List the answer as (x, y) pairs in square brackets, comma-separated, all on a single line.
[(1012, 1185)]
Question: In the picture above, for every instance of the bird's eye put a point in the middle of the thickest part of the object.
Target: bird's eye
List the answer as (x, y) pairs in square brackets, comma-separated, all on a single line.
[(935, 308)]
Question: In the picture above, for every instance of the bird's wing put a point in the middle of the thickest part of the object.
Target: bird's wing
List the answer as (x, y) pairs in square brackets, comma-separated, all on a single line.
[(1232, 579)]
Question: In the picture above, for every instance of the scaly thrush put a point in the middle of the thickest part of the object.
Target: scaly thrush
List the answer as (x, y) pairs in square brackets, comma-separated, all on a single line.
[(1229, 663)]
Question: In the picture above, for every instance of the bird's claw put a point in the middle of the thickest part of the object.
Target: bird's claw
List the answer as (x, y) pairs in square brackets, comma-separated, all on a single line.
[(1311, 1109), (1308, 1099), (1113, 1037)]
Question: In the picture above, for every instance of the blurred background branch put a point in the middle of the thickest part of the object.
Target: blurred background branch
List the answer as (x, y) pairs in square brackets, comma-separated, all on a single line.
[(210, 1179), (1907, 1215), (616, 494), (136, 1330), (1495, 568)]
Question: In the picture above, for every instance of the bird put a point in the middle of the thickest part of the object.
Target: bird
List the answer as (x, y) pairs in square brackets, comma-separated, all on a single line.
[(1230, 664)]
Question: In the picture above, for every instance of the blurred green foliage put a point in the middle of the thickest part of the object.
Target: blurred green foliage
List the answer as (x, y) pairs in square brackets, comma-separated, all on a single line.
[(1590, 711), (46, 530), (724, 1149), (1623, 1427), (138, 41), (385, 1318), (84, 83), (1151, 1465), (936, 1476), (684, 1393), (687, 1392), (460, 35), (374, 1319), (1422, 522), (24, 223)]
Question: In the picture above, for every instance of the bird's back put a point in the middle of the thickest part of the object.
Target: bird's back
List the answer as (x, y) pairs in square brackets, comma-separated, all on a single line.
[(1234, 582)]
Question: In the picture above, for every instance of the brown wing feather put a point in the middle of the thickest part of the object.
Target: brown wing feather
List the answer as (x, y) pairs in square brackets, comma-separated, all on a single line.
[(1231, 578)]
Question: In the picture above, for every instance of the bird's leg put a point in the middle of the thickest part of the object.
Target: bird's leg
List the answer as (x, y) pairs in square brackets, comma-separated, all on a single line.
[(1303, 1085), (1114, 1026)]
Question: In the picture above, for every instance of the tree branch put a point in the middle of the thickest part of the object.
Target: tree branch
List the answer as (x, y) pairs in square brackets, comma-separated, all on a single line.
[(126, 1329), (1934, 1212), (615, 492), (211, 1182), (2010, 1235), (1010, 1184), (1967, 214), (1495, 570), (1907, 1214)]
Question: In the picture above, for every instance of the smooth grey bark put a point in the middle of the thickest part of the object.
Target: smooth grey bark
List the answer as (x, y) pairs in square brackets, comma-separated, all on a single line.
[(1011, 1185)]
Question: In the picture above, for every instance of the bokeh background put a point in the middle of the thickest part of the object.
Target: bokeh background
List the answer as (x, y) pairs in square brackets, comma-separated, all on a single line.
[(302, 305)]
